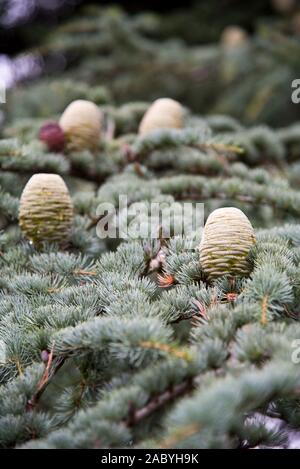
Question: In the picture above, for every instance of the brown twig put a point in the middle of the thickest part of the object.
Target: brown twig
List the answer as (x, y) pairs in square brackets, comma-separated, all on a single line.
[(52, 367), (94, 222), (80, 272), (169, 349), (159, 401)]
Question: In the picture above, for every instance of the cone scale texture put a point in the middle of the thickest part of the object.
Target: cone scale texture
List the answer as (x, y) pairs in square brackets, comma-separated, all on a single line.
[(227, 239), (81, 124), (46, 209)]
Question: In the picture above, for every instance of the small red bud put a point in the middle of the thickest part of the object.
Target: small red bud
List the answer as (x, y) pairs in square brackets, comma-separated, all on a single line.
[(44, 356), (52, 134), (231, 296)]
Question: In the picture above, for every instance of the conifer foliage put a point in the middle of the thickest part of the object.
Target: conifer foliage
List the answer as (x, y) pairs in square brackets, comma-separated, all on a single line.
[(173, 342)]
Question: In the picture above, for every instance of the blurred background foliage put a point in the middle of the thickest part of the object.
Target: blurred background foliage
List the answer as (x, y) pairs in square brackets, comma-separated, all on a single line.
[(223, 56)]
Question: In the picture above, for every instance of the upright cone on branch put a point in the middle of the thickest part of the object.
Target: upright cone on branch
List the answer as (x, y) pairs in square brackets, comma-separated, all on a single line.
[(163, 113), (81, 123), (226, 241), (233, 37), (46, 209), (283, 6)]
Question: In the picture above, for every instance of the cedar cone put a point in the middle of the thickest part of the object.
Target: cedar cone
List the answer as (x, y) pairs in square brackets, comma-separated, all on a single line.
[(81, 122), (233, 37), (46, 209), (163, 113), (226, 241)]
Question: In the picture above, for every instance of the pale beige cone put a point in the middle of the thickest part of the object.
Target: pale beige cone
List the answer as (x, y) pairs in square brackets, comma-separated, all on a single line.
[(163, 113), (233, 37), (283, 6), (226, 241), (46, 209), (81, 122)]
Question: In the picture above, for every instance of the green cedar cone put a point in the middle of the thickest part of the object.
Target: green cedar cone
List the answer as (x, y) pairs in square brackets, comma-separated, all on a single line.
[(226, 241), (46, 209)]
